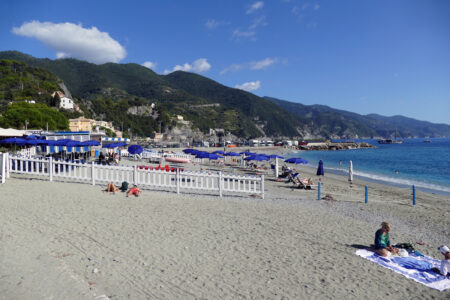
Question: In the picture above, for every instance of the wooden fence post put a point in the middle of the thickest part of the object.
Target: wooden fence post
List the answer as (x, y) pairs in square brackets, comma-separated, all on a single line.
[(3, 169), (8, 165), (220, 184), (93, 173), (178, 179), (262, 186), (50, 168)]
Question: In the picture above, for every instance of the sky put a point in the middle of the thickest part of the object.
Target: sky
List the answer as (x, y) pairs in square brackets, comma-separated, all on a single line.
[(364, 56)]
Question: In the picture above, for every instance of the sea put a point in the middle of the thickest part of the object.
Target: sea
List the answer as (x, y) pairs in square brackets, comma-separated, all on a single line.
[(425, 165)]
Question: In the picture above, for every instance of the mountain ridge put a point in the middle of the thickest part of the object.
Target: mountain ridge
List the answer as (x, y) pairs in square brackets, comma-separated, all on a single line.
[(108, 90)]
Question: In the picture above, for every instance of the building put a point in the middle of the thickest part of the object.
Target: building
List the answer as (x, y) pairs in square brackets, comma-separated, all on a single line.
[(81, 124), (65, 102)]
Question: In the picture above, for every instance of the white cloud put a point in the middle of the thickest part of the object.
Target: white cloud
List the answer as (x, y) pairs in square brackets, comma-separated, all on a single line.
[(254, 65), (258, 65), (198, 66), (255, 6), (150, 65), (249, 86), (238, 34), (72, 40), (261, 21), (213, 24)]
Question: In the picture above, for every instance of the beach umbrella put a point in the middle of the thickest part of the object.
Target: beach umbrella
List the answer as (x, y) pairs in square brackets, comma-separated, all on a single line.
[(350, 172), (32, 142), (232, 154), (13, 141), (195, 152), (63, 142), (202, 155), (256, 157), (218, 152), (247, 153), (188, 151), (32, 137), (214, 156), (275, 156), (135, 149), (320, 171), (296, 160)]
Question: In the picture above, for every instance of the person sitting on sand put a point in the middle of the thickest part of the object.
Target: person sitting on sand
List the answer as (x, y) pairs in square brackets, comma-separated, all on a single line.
[(382, 242), (445, 263), (112, 188), (134, 191)]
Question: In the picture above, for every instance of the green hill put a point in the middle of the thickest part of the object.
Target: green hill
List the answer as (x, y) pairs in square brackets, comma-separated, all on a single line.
[(110, 91), (328, 121)]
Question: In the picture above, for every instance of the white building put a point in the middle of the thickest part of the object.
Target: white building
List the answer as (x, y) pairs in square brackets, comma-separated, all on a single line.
[(66, 103)]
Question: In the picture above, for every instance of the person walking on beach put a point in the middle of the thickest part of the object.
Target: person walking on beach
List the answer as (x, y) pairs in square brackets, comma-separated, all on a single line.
[(382, 243)]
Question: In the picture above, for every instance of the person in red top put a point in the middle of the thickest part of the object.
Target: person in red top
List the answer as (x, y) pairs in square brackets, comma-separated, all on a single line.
[(134, 191)]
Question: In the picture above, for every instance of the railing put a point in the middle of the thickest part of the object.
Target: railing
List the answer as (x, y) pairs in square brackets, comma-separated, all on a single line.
[(146, 178)]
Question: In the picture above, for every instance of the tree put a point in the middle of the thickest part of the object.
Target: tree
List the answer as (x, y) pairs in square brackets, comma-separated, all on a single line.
[(56, 100)]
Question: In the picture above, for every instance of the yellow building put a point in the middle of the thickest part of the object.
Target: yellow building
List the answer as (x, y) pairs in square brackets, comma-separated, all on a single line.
[(81, 124)]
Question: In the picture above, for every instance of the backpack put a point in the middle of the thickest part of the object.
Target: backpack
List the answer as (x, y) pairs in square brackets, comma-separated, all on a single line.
[(124, 186)]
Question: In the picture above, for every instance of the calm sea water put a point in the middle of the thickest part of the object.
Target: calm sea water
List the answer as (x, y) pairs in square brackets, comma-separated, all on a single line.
[(426, 165)]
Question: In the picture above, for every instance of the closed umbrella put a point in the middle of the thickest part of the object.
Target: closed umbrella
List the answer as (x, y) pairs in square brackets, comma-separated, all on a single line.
[(350, 172), (320, 171)]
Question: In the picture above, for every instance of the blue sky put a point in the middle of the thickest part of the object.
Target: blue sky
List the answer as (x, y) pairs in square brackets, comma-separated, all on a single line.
[(385, 57)]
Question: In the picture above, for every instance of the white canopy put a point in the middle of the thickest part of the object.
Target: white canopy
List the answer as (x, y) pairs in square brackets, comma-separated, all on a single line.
[(10, 132)]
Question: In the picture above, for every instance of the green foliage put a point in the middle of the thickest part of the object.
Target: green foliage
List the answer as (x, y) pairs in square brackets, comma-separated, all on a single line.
[(18, 81), (37, 115), (108, 131)]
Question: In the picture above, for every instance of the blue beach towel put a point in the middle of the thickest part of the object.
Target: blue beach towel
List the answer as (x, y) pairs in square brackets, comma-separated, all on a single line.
[(417, 268)]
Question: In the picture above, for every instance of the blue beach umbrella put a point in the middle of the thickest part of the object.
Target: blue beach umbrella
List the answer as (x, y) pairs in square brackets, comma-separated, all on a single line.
[(296, 160), (13, 141), (257, 158), (275, 156), (188, 151), (135, 149), (214, 156), (247, 153), (218, 152), (202, 155), (232, 154), (320, 171)]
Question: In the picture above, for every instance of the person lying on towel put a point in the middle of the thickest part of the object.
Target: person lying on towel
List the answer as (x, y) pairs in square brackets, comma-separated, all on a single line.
[(382, 242)]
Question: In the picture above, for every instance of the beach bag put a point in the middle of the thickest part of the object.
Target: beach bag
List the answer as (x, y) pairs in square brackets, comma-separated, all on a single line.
[(406, 246), (124, 186)]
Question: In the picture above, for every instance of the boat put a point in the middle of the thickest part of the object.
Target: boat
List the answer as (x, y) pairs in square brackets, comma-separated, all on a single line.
[(177, 159), (391, 141)]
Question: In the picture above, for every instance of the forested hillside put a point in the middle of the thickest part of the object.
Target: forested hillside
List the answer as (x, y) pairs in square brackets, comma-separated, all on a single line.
[(115, 92)]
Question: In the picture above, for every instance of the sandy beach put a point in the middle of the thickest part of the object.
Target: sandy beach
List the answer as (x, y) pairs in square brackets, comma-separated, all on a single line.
[(62, 240)]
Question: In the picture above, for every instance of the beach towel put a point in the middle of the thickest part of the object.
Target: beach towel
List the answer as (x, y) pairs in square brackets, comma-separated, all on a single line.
[(413, 267)]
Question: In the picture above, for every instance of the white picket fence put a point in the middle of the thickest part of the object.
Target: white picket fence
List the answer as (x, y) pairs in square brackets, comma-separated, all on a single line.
[(146, 178), (3, 166)]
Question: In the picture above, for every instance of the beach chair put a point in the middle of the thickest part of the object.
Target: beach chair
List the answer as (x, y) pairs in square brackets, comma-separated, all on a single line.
[(304, 183)]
